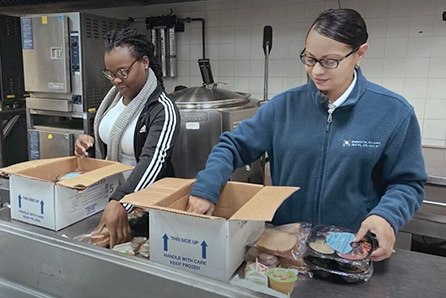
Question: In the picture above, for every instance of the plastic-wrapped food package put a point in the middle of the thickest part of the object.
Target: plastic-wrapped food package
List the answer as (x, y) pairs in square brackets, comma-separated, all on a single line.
[(276, 258), (277, 243), (144, 249), (281, 246), (141, 246), (139, 225), (102, 239), (69, 175), (331, 252), (124, 248), (302, 232), (256, 272)]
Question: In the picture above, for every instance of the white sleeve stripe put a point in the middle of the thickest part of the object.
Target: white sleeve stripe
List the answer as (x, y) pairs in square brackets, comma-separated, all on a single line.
[(128, 207), (155, 158), (168, 141), (162, 146), (172, 120), (167, 144)]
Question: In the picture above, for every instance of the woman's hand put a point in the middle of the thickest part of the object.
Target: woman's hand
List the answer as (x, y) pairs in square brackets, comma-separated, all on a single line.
[(384, 234), (117, 223), (82, 144), (200, 206)]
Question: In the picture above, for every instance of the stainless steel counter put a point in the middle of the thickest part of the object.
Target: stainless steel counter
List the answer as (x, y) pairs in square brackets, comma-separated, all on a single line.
[(49, 265), (435, 160), (11, 290), (45, 264)]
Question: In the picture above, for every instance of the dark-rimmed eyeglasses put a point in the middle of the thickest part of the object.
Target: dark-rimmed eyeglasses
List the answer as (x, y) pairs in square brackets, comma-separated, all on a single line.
[(121, 73), (325, 63)]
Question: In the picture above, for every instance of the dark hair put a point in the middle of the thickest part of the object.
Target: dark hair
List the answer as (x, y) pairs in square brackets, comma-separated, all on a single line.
[(138, 44), (343, 25)]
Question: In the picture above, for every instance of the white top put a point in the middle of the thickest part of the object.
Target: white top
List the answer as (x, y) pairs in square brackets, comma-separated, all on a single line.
[(127, 141), (344, 95)]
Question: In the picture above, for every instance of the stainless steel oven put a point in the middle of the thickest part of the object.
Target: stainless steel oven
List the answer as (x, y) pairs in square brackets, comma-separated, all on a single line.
[(63, 59)]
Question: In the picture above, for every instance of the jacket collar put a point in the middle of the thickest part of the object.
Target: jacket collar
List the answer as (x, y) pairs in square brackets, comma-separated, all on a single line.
[(356, 94), (155, 94)]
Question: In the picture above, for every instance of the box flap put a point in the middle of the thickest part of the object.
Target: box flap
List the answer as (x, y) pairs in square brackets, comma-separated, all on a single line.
[(32, 164), (264, 204), (87, 164), (162, 192), (42, 169), (178, 211), (81, 182), (233, 196)]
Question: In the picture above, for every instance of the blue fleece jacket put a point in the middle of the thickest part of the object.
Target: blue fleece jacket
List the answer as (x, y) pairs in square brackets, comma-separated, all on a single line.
[(365, 159)]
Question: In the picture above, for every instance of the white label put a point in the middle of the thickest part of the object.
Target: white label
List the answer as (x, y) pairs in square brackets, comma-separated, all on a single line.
[(193, 125), (55, 86)]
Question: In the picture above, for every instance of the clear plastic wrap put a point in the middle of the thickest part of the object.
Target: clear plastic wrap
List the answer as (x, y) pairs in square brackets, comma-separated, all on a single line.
[(256, 272), (139, 225), (125, 248), (281, 246), (302, 232), (69, 175), (331, 252), (140, 246), (102, 239)]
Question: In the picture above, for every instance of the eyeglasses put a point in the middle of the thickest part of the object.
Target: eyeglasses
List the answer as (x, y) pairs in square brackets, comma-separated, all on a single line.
[(325, 63), (121, 73)]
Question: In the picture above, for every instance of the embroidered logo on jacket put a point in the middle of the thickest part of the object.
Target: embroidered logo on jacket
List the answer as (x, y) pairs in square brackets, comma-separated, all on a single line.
[(361, 143), (143, 129)]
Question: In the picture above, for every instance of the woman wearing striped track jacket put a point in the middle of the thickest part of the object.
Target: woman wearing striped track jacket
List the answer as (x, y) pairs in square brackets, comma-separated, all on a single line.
[(135, 124)]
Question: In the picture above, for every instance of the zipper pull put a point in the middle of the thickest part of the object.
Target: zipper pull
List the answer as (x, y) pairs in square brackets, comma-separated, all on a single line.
[(331, 109)]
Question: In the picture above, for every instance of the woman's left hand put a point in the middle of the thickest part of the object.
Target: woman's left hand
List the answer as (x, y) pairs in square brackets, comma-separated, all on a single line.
[(384, 234)]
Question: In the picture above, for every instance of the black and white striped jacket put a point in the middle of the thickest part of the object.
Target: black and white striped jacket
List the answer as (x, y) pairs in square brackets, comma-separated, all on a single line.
[(155, 133)]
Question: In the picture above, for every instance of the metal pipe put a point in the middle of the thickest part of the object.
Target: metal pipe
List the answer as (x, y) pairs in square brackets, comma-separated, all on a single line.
[(202, 32), (265, 83), (434, 203), (267, 46)]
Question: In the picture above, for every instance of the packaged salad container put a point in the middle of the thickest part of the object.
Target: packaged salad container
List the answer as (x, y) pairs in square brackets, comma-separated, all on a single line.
[(331, 252)]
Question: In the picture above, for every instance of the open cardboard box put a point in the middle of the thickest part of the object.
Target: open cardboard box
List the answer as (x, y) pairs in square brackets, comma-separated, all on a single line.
[(213, 246), (37, 198)]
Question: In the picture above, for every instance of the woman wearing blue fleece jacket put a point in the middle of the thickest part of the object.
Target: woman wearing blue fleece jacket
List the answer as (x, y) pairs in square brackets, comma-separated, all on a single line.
[(352, 146)]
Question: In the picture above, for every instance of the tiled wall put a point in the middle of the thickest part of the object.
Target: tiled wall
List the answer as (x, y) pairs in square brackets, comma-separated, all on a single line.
[(407, 52)]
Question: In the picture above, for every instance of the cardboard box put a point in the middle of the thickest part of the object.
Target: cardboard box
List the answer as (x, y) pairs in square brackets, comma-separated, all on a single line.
[(37, 198), (213, 246)]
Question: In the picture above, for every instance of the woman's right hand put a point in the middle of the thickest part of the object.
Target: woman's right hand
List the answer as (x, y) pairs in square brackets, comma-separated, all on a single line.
[(200, 206), (117, 223), (82, 144)]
